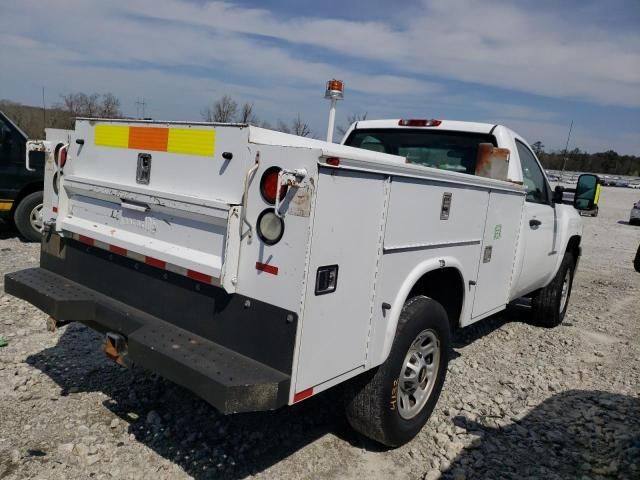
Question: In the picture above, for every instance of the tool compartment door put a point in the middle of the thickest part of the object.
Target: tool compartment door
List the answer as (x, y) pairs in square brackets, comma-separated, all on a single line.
[(177, 211), (497, 257), (346, 232)]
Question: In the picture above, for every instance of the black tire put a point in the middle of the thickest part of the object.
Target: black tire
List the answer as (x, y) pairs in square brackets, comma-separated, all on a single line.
[(636, 261), (546, 304), (22, 213), (372, 400)]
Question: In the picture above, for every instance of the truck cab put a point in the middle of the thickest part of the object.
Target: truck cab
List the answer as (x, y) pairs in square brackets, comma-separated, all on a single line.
[(20, 187)]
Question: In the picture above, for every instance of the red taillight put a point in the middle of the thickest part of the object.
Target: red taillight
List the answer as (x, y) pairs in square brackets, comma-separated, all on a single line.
[(62, 156), (335, 161), (269, 185), (415, 122)]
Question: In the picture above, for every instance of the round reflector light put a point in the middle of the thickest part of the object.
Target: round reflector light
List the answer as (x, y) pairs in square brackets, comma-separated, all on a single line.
[(270, 227), (269, 185)]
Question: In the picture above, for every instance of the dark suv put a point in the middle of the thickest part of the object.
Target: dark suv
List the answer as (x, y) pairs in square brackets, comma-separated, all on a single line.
[(20, 189)]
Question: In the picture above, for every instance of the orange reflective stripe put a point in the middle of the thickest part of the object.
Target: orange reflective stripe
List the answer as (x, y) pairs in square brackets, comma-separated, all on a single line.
[(148, 138)]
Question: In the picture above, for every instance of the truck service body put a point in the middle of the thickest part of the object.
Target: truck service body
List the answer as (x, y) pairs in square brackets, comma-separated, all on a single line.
[(258, 268)]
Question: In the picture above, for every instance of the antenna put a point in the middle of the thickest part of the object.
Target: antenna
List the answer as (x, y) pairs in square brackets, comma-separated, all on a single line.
[(566, 149)]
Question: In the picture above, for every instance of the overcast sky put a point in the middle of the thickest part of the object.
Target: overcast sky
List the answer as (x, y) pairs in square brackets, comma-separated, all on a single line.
[(533, 66)]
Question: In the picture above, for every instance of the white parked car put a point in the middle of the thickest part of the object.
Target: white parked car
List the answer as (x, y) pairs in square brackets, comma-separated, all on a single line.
[(634, 185), (258, 268)]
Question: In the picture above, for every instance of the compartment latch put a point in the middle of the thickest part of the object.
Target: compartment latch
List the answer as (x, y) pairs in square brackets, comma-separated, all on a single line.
[(143, 173)]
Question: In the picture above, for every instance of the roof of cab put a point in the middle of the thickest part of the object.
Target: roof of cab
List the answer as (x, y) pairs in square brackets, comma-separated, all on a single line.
[(451, 125)]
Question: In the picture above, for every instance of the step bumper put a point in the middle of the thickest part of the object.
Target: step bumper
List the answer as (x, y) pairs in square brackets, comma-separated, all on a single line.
[(228, 380)]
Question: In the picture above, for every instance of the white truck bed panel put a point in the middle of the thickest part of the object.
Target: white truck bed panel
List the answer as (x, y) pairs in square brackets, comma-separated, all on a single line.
[(186, 159), (399, 270), (195, 243), (498, 258), (415, 214), (335, 326)]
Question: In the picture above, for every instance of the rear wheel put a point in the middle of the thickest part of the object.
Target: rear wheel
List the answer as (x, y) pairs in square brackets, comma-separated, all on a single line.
[(28, 217), (392, 403), (549, 305)]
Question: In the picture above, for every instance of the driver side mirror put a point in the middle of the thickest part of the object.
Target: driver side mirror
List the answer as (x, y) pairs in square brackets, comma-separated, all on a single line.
[(587, 192)]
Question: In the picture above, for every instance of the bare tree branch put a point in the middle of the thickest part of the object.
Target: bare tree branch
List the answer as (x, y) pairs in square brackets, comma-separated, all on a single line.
[(82, 105), (110, 107), (283, 127), (300, 128), (225, 110), (351, 119), (247, 115)]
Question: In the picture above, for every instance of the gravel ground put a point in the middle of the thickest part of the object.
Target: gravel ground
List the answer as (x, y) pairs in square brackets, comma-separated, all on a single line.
[(519, 401)]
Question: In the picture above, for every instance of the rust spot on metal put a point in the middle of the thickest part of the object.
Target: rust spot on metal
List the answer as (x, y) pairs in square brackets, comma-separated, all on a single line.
[(492, 162)]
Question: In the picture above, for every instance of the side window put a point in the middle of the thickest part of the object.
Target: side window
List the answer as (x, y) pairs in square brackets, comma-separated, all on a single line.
[(532, 176)]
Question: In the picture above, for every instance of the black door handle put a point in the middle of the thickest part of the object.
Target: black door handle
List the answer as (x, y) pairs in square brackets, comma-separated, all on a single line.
[(533, 223)]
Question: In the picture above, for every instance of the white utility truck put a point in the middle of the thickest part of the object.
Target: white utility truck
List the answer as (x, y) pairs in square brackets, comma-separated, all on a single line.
[(258, 268)]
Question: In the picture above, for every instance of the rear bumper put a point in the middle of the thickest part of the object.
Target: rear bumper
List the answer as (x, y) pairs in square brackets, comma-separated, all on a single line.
[(213, 355)]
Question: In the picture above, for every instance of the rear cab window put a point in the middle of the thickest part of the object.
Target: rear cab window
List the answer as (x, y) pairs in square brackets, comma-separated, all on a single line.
[(445, 150)]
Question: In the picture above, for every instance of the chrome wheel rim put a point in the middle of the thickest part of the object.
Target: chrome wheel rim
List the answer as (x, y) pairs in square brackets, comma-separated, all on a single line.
[(35, 218), (419, 373), (564, 296)]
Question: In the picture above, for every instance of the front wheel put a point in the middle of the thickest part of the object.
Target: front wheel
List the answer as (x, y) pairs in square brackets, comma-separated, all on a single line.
[(549, 305), (392, 403), (28, 217)]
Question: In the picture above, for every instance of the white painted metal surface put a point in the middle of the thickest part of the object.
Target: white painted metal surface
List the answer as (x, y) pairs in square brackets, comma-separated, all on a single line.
[(54, 136), (349, 207), (415, 214), (497, 255), (381, 220), (204, 177)]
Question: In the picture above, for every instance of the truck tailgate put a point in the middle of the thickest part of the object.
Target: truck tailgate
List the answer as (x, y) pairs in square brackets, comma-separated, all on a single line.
[(177, 211)]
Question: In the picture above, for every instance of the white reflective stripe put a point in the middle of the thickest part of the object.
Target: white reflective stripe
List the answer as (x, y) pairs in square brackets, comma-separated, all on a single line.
[(135, 256), (99, 244), (176, 269)]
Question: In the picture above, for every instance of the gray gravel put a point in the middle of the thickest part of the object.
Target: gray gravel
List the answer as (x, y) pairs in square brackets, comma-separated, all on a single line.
[(519, 401)]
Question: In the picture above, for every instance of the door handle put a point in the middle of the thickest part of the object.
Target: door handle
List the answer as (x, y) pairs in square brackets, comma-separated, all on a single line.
[(134, 206), (534, 223)]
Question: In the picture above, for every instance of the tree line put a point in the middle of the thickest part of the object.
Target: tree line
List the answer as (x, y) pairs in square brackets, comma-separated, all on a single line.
[(608, 162), (227, 110), (33, 120)]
